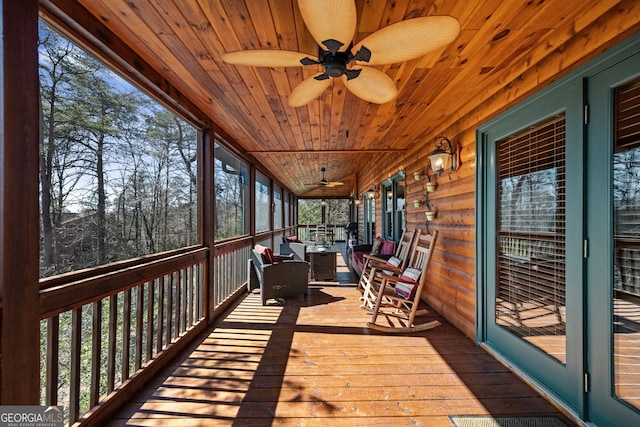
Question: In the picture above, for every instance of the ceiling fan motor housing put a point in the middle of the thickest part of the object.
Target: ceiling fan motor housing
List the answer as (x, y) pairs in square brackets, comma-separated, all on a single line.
[(335, 65)]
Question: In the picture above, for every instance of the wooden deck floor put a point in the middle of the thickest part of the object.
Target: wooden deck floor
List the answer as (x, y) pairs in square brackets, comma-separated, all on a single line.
[(313, 362)]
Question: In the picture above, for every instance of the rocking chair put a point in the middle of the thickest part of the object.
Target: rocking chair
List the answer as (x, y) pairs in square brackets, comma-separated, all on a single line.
[(374, 266), (398, 295)]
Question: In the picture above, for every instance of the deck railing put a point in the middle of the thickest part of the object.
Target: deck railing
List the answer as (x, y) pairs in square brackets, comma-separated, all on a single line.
[(305, 232), (627, 266), (103, 327), (230, 269)]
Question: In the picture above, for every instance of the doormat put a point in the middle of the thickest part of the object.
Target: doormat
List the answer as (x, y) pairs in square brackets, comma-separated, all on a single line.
[(489, 421)]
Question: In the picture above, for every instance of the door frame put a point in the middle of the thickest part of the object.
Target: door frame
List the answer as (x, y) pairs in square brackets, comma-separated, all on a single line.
[(485, 243), (562, 381), (604, 407)]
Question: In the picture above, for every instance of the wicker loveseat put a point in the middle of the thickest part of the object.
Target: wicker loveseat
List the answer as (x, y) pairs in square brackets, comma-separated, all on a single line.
[(280, 278)]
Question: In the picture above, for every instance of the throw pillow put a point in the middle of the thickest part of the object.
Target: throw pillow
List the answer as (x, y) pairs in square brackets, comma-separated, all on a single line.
[(293, 239), (267, 254), (411, 274), (377, 245), (406, 290), (394, 262), (388, 247)]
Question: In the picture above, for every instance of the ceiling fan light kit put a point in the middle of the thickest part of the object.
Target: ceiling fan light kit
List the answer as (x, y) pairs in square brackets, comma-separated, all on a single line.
[(332, 24)]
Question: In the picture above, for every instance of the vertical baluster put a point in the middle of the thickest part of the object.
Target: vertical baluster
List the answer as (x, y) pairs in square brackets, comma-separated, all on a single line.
[(96, 353), (161, 308), (185, 299), (170, 296), (113, 332), (139, 325), (216, 281), (126, 334), (53, 350), (178, 307), (76, 350), (150, 311), (200, 290), (191, 293)]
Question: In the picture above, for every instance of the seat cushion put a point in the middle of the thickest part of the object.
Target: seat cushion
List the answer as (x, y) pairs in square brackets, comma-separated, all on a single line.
[(358, 258)]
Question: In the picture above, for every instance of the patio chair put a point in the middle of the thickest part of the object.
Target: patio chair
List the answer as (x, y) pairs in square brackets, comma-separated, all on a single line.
[(374, 265), (324, 234), (398, 296), (278, 277)]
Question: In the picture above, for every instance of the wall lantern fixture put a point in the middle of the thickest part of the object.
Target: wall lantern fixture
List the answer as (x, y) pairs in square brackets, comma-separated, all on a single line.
[(354, 198), (444, 154), (371, 193)]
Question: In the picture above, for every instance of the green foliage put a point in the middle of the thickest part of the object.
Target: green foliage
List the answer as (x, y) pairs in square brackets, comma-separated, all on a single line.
[(118, 172)]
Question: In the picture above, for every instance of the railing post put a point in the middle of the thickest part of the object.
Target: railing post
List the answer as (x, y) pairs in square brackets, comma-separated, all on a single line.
[(208, 221), (19, 231)]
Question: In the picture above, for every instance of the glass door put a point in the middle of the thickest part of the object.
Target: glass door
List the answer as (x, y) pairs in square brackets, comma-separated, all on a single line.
[(532, 242), (613, 228)]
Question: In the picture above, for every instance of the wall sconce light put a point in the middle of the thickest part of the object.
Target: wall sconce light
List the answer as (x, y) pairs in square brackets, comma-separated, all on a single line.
[(444, 154), (371, 193), (324, 202), (354, 198)]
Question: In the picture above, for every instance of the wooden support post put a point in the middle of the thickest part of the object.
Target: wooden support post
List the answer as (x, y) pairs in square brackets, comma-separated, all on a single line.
[(19, 231), (207, 220)]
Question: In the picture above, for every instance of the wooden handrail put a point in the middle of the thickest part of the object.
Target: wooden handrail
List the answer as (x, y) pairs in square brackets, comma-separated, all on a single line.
[(57, 299), (78, 275)]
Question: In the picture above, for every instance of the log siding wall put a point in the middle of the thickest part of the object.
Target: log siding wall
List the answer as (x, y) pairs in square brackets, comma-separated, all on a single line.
[(451, 288)]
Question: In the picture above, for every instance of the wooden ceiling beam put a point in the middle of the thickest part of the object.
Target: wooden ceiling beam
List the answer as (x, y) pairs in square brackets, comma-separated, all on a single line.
[(373, 150)]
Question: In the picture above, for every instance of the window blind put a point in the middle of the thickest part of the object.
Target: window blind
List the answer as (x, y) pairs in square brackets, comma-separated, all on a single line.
[(531, 230), (626, 190), (627, 110)]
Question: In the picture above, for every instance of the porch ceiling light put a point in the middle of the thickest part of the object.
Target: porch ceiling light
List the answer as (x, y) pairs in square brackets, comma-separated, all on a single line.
[(444, 154)]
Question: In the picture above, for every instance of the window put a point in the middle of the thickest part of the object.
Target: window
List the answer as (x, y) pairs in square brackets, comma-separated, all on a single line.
[(530, 288), (393, 206), (309, 211), (263, 206), (369, 218), (231, 177), (118, 172), (337, 212), (277, 207), (287, 210)]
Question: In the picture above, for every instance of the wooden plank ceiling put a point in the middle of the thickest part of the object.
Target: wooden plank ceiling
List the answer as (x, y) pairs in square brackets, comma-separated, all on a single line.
[(183, 40)]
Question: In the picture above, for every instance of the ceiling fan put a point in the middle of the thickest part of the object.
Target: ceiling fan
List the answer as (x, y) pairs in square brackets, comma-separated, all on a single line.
[(323, 182), (332, 23)]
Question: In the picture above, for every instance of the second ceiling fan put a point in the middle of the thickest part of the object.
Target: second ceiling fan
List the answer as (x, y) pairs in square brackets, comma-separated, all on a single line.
[(332, 23)]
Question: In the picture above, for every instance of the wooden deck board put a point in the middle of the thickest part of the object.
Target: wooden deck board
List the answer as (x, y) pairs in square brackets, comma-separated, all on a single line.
[(313, 362)]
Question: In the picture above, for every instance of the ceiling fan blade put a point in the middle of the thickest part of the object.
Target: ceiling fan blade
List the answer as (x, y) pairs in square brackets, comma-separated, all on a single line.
[(265, 58), (330, 20), (308, 90), (406, 40), (372, 85), (334, 184)]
